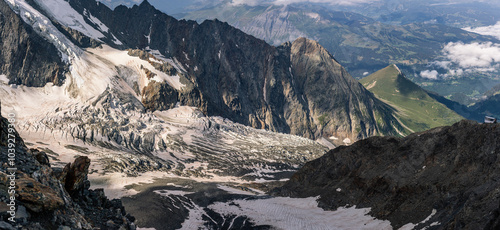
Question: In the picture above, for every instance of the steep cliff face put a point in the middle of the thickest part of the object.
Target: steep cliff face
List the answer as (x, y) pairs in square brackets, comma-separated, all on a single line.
[(337, 103), (444, 177), (25, 57), (295, 88)]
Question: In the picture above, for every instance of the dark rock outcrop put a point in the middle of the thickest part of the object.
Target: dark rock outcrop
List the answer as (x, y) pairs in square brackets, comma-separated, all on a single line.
[(76, 36), (453, 170), (159, 96), (25, 57), (49, 198), (76, 177), (41, 157)]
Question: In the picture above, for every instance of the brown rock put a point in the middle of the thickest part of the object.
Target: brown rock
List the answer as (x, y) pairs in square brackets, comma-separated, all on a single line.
[(159, 96), (77, 174), (36, 196)]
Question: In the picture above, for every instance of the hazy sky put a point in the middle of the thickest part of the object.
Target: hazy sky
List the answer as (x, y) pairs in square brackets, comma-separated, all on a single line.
[(176, 6), (168, 6)]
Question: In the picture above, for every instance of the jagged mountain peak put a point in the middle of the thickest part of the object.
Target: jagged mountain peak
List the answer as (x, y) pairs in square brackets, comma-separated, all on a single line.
[(355, 113), (317, 54), (310, 47), (145, 3)]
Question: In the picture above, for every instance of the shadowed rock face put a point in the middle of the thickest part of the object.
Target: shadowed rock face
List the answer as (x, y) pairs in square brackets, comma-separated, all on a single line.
[(453, 170), (25, 57), (77, 174), (295, 88)]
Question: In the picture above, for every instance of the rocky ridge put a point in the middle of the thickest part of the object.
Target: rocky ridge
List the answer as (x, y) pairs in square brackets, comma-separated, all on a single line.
[(444, 178)]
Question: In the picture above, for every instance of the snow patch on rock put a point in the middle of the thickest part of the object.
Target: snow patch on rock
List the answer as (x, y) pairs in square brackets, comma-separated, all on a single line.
[(62, 11)]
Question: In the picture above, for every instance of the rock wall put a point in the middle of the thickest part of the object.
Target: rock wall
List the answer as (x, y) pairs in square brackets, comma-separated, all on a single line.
[(25, 57)]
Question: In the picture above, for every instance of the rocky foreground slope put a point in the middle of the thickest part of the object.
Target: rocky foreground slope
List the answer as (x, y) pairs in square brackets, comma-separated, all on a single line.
[(444, 178), (51, 198)]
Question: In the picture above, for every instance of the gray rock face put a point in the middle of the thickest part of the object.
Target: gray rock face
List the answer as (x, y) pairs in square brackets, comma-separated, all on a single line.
[(337, 104), (294, 88), (451, 170), (25, 57)]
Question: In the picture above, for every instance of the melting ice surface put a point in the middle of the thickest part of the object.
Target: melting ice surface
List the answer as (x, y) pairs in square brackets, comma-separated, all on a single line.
[(300, 213)]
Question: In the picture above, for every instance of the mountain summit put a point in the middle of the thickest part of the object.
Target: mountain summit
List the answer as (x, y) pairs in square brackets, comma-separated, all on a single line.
[(415, 108), (338, 103)]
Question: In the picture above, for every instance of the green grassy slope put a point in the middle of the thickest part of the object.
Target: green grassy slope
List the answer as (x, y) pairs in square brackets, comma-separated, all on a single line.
[(416, 109)]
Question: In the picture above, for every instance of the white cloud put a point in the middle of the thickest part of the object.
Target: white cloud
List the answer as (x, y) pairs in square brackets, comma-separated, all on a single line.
[(456, 72), (429, 74), (286, 2), (247, 2), (473, 55), (493, 30), (459, 58)]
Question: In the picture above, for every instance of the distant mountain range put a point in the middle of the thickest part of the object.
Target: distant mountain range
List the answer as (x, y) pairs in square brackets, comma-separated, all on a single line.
[(457, 13)]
